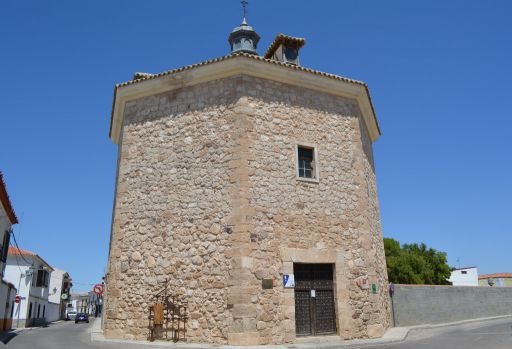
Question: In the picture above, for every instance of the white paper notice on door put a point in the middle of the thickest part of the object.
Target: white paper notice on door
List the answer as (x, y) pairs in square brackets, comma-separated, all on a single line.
[(313, 293)]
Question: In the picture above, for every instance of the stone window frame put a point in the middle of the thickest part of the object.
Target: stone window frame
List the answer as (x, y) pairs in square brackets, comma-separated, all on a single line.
[(316, 166)]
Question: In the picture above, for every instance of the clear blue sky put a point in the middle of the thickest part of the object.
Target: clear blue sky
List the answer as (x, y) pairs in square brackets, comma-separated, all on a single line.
[(439, 73)]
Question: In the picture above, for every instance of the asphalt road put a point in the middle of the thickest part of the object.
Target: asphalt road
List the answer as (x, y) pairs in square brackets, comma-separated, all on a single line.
[(483, 335), (495, 334), (61, 335)]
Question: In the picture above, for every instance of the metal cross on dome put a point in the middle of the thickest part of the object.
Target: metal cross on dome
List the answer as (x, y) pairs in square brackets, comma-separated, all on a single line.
[(244, 6)]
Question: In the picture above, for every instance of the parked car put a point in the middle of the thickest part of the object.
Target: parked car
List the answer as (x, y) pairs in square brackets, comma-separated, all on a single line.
[(81, 317), (71, 315)]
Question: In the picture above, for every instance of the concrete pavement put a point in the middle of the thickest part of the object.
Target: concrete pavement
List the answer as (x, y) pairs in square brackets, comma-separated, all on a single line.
[(392, 337), (61, 335)]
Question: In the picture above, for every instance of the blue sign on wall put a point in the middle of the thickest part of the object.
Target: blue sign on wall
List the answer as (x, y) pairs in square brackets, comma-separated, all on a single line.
[(288, 280)]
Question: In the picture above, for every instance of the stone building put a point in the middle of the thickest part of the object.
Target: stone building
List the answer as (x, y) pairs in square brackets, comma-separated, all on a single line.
[(239, 178)]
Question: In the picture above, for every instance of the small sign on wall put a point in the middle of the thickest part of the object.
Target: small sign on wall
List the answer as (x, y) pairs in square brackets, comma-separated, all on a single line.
[(288, 281), (267, 284), (312, 293)]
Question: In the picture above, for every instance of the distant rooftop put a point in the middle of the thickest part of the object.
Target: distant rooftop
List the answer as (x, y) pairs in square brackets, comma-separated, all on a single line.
[(495, 276), (464, 268)]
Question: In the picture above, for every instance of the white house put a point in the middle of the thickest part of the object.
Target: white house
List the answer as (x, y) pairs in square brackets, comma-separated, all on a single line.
[(95, 304), (7, 290), (464, 277), (31, 274), (79, 302), (58, 297)]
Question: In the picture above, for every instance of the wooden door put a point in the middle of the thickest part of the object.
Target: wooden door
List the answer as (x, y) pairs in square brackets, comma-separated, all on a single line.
[(314, 299)]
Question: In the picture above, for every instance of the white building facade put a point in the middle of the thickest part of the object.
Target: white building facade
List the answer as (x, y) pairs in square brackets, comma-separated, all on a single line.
[(58, 297), (95, 304), (31, 275), (79, 302), (464, 277), (7, 290)]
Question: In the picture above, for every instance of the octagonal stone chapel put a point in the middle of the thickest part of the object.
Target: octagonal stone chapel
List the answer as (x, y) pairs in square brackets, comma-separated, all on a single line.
[(246, 189)]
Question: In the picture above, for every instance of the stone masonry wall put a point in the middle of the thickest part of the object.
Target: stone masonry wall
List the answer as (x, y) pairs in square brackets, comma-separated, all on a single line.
[(338, 213), (208, 197), (173, 198)]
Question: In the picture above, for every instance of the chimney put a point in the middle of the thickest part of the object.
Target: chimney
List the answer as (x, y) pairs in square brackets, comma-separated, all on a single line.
[(285, 49)]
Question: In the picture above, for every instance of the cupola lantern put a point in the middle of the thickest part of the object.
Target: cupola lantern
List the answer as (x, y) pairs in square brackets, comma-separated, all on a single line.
[(243, 38)]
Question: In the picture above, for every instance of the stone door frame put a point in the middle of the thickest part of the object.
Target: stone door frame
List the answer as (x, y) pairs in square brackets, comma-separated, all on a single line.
[(343, 313)]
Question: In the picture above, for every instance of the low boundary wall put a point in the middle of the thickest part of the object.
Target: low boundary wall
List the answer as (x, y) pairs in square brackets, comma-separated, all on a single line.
[(422, 304)]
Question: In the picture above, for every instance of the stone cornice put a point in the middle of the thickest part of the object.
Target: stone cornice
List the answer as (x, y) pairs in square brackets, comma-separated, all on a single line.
[(243, 65)]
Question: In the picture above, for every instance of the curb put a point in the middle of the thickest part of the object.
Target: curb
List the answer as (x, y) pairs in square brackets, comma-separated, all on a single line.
[(393, 335)]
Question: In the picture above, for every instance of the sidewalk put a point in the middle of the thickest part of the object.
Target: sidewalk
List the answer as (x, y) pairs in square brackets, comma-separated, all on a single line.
[(6, 336), (393, 335)]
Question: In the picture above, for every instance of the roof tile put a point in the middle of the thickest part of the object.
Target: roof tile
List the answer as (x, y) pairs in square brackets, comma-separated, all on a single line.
[(495, 276), (147, 76), (6, 202), (298, 42)]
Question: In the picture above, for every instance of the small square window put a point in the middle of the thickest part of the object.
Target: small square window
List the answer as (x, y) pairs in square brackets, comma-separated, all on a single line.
[(464, 272), (306, 162)]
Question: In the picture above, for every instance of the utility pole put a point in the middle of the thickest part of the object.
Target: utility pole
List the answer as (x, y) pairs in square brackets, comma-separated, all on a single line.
[(19, 304)]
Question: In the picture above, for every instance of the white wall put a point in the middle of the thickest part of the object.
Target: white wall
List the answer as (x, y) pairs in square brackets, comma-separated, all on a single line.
[(16, 273), (13, 274), (56, 279), (5, 291), (464, 277), (80, 301), (5, 226), (52, 312), (5, 306)]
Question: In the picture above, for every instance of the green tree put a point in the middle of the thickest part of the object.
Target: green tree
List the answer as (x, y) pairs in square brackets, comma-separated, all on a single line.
[(415, 264)]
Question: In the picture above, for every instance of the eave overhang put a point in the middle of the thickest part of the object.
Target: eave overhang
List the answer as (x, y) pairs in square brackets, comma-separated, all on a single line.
[(244, 64)]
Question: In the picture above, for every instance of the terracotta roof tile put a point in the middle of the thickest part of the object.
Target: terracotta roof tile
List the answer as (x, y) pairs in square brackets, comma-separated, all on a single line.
[(495, 276), (299, 42), (14, 250), (19, 251), (147, 76), (6, 202)]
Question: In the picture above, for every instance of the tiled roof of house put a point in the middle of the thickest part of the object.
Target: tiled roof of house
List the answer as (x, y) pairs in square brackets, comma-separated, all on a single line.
[(297, 42), (148, 76), (140, 77), (18, 251), (495, 276), (14, 250), (6, 202), (464, 268)]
